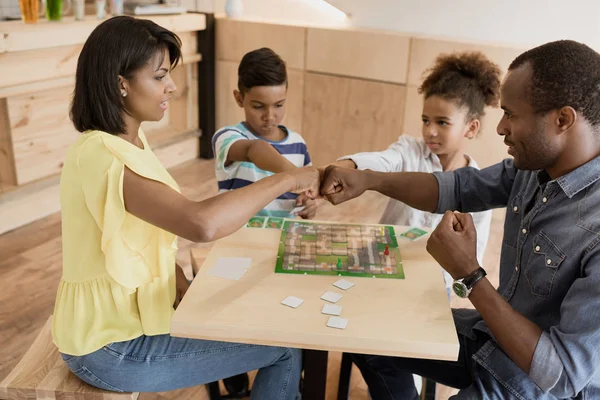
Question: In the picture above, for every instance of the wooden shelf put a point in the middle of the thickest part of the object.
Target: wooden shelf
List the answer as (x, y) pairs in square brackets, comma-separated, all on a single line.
[(17, 36)]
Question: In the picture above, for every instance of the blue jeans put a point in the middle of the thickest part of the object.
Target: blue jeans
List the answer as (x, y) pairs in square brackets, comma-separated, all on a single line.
[(390, 378), (161, 363)]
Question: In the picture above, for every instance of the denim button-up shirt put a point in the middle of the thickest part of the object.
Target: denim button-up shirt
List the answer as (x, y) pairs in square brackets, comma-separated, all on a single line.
[(549, 272)]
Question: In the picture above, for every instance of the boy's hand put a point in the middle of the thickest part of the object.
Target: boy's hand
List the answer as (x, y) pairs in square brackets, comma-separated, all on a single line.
[(310, 207)]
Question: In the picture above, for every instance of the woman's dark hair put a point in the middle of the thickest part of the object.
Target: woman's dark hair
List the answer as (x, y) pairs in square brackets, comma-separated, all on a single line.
[(119, 46), (262, 67), (469, 79)]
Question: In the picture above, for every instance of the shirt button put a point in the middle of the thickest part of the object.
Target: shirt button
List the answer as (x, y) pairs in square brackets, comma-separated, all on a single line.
[(548, 261), (515, 208), (545, 199), (517, 268), (524, 230), (537, 248)]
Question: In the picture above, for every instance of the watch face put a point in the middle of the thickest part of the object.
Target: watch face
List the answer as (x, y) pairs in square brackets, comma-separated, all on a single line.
[(460, 289)]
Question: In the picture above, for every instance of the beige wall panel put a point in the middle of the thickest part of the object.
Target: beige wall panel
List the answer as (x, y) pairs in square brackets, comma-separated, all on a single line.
[(41, 132), (236, 38), (374, 55), (424, 51), (228, 112), (487, 148), (344, 115)]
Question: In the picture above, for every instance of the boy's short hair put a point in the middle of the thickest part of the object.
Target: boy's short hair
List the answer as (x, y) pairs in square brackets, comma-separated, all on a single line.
[(262, 67), (118, 46)]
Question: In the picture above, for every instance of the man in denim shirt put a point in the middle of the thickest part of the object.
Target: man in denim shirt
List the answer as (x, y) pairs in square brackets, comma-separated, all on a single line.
[(538, 335)]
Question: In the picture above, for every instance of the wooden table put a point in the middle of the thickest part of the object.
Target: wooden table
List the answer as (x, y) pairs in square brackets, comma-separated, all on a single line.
[(409, 317)]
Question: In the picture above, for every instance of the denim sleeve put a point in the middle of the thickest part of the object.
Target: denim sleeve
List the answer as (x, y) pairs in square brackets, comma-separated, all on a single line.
[(471, 190), (567, 355)]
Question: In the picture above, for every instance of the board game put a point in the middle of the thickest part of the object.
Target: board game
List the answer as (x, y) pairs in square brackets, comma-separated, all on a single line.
[(339, 249)]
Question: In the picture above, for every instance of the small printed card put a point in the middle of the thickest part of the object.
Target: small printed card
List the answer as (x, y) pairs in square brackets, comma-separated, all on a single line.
[(331, 297), (337, 322), (274, 223), (292, 301), (343, 284), (256, 222), (413, 234), (331, 309)]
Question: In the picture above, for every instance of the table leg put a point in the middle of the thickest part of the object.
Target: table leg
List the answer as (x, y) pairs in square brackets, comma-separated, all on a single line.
[(315, 374)]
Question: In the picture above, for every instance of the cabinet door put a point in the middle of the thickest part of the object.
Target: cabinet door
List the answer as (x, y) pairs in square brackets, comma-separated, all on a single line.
[(344, 115)]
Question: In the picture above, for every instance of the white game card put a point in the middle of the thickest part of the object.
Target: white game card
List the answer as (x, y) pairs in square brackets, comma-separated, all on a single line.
[(337, 322), (232, 268), (331, 309), (343, 284), (331, 297), (292, 301)]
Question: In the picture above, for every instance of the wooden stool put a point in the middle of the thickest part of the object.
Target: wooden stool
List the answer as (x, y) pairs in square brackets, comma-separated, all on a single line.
[(42, 374)]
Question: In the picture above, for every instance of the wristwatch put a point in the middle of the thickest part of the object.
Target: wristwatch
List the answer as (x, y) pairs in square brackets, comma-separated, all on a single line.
[(462, 287)]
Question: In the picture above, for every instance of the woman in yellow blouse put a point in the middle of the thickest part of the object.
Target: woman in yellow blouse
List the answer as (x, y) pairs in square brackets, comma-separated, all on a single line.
[(121, 215)]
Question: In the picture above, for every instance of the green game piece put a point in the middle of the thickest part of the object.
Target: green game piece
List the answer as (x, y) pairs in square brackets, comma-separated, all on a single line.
[(339, 263)]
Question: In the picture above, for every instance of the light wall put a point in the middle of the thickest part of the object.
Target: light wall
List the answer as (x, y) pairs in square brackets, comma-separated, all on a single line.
[(521, 23)]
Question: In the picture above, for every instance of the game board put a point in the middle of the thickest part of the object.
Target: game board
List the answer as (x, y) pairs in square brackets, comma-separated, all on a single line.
[(339, 249)]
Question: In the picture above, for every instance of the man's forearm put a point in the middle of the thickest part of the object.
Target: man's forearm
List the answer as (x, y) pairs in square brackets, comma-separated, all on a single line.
[(417, 189), (516, 335)]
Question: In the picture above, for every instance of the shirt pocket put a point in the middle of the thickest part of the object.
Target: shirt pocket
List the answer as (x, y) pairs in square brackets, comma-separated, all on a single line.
[(543, 265)]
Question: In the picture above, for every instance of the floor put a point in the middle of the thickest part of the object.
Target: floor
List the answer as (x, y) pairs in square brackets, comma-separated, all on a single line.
[(30, 269)]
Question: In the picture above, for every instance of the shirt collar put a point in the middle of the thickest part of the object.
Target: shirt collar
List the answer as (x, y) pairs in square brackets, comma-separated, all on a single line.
[(576, 180)]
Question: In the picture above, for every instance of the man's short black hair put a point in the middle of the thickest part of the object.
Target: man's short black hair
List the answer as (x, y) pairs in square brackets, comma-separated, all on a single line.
[(118, 46), (262, 67), (565, 73)]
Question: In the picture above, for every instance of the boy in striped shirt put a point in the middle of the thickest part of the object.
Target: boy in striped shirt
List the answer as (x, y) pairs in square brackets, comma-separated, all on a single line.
[(259, 146)]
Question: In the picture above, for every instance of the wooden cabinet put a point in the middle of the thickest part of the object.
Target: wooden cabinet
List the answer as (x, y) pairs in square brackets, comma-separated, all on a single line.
[(345, 115), (37, 68)]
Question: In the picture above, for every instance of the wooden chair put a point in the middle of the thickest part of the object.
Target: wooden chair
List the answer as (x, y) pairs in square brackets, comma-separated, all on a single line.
[(42, 374)]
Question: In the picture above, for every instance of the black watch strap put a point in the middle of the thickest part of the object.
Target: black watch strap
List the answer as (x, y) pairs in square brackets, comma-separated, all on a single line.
[(474, 277)]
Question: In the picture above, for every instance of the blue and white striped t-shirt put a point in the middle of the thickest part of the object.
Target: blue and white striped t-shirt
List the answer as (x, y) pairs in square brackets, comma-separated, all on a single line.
[(241, 173)]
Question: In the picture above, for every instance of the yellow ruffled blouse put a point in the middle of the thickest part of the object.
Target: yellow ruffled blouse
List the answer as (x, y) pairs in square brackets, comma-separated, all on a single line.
[(118, 280)]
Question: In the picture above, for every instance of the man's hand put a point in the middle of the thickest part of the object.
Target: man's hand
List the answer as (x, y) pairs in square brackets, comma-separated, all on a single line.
[(453, 244), (310, 207), (181, 285), (342, 184)]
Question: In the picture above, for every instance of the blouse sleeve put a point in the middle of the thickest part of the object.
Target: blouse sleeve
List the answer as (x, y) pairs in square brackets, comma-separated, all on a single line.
[(102, 185)]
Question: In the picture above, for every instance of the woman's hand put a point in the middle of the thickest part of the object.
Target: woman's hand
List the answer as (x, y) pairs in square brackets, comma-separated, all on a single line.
[(306, 180)]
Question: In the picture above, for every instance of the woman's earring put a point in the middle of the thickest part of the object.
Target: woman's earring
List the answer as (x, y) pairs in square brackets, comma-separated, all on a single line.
[(124, 93)]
